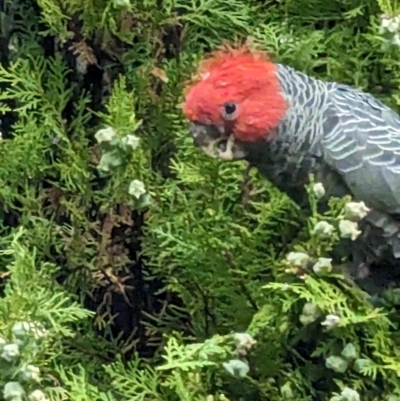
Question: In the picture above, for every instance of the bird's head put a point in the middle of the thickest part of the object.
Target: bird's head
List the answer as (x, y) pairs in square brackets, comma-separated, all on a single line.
[(233, 100)]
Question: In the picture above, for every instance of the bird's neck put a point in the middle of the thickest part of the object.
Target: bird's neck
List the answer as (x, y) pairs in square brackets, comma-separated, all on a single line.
[(307, 99), (294, 154), (288, 172)]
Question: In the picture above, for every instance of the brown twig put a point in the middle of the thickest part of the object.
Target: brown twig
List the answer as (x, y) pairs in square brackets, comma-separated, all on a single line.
[(246, 190)]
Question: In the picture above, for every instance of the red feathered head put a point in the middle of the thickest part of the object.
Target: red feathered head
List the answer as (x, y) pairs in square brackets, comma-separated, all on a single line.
[(234, 97)]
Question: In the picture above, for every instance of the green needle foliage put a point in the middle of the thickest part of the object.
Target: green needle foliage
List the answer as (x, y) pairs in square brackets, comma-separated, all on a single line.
[(133, 267)]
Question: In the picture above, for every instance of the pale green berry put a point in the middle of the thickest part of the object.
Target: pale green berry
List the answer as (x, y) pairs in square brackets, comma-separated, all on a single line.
[(13, 391), (137, 189), (236, 367), (37, 395), (30, 372), (337, 364), (122, 3), (131, 141), (297, 258), (396, 40), (350, 395), (20, 329), (286, 391), (323, 265), (360, 364), (309, 314), (355, 211), (319, 190), (393, 26), (105, 135), (244, 341), (323, 229), (331, 321), (385, 22), (349, 352), (10, 352), (349, 229)]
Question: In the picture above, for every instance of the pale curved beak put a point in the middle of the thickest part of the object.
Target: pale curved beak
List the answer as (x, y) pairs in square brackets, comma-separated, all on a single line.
[(215, 143)]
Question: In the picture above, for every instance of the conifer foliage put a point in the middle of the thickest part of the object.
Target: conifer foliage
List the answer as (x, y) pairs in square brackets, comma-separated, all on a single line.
[(135, 268)]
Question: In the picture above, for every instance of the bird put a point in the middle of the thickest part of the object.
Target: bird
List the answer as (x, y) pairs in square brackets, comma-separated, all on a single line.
[(241, 105)]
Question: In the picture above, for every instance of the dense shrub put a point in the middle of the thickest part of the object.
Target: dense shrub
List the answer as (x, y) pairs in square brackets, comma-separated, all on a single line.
[(128, 257)]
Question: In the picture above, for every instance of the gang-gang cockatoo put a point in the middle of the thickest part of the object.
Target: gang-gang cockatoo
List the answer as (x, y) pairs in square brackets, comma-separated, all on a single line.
[(242, 105)]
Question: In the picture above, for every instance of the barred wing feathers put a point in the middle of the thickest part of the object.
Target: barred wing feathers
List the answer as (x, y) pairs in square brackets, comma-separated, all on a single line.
[(362, 143)]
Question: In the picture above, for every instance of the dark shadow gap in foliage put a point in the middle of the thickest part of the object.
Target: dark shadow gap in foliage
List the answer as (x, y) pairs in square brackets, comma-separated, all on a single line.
[(143, 295)]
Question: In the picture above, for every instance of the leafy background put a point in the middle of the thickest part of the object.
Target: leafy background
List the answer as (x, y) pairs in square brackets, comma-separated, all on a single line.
[(137, 296)]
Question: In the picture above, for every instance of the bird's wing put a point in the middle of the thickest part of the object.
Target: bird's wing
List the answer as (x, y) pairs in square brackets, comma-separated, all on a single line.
[(362, 143)]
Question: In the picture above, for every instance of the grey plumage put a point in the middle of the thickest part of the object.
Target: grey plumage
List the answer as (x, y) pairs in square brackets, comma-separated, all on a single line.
[(351, 142), (348, 139), (356, 135)]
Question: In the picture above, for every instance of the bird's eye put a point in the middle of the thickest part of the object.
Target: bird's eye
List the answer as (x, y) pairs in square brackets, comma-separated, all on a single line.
[(229, 110)]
